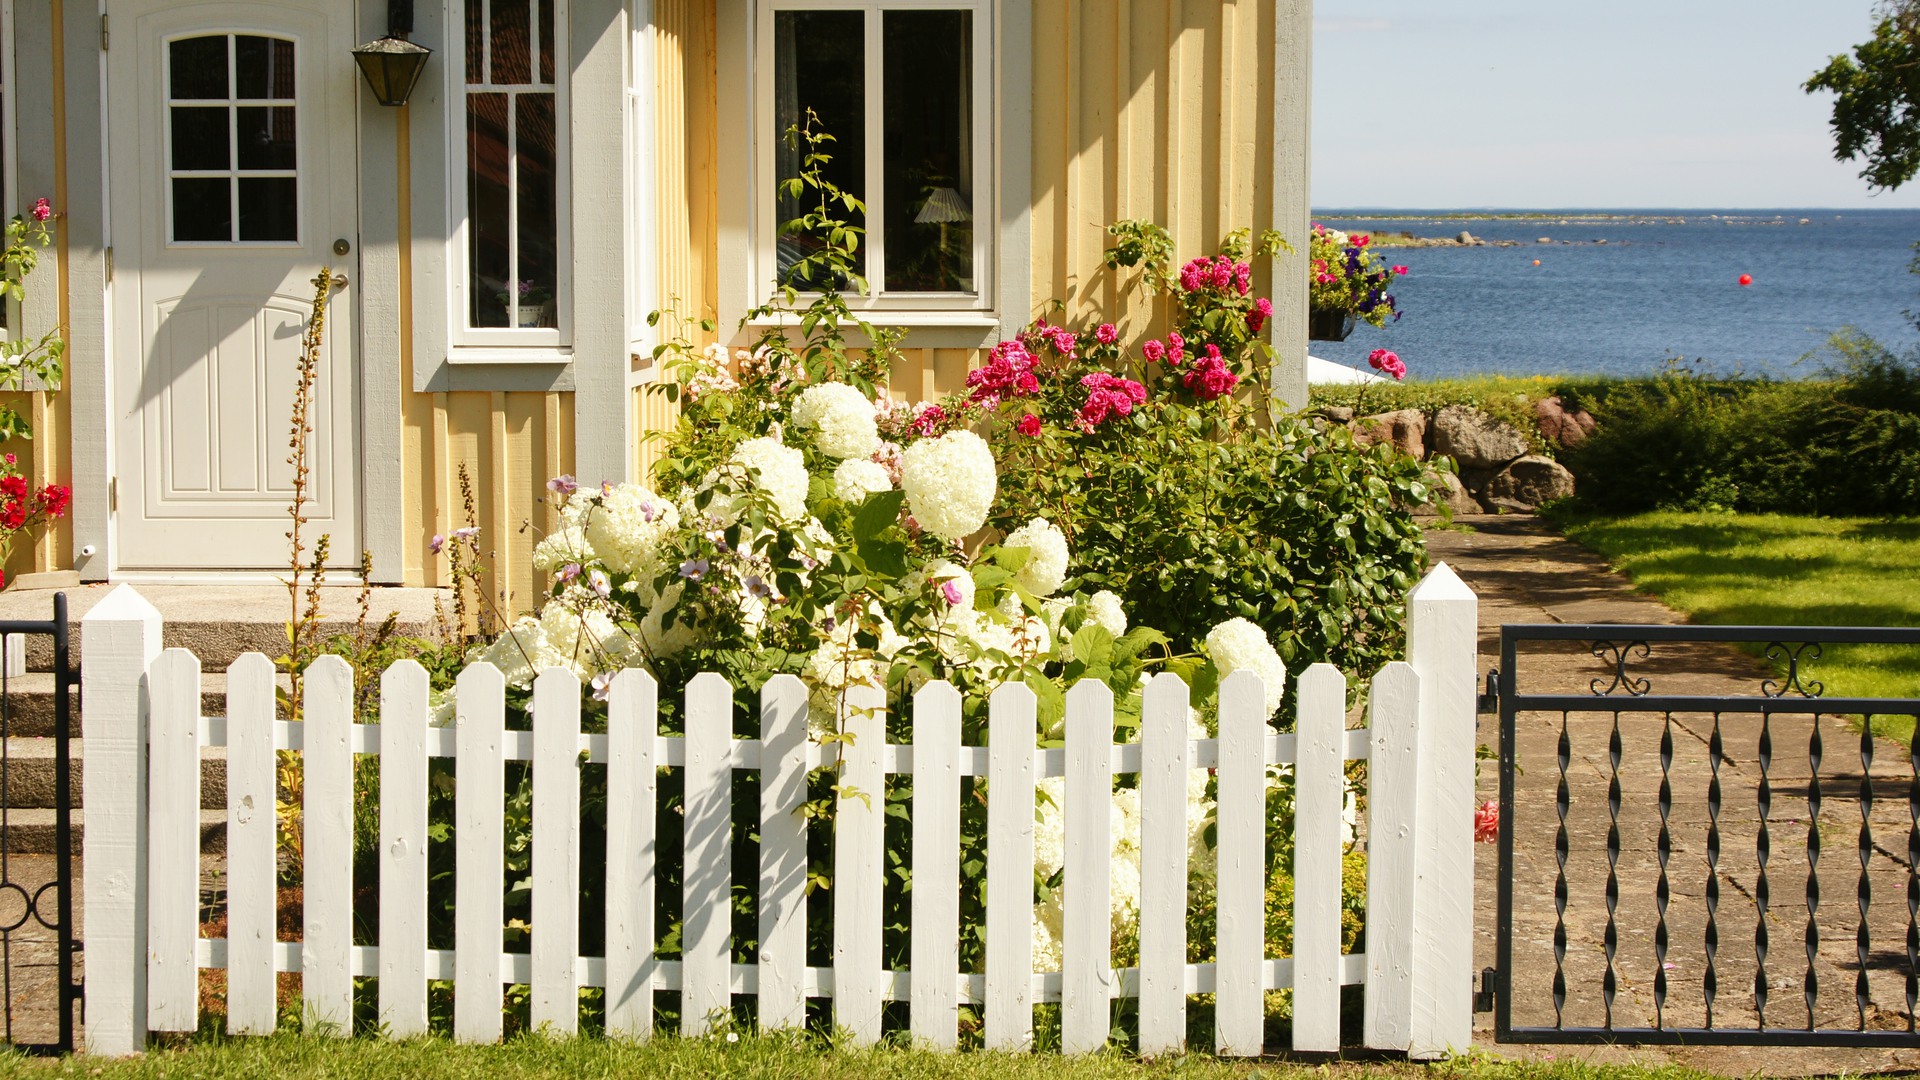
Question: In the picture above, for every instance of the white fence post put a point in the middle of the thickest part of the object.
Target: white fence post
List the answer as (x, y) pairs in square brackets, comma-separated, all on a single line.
[(1319, 801), (1393, 778), (253, 846), (1442, 635), (1164, 776), (173, 842), (1240, 874), (326, 847), (1086, 963), (859, 857), (120, 639), (1010, 741)]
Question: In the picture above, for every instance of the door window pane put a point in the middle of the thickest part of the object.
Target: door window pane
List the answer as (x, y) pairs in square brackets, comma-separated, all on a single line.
[(266, 137), (202, 209), (200, 137), (267, 208), (263, 67), (928, 165), (508, 45), (819, 71), (197, 67), (255, 146)]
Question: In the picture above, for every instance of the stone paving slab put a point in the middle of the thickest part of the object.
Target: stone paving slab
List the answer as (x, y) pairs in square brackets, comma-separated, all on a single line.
[(1524, 572)]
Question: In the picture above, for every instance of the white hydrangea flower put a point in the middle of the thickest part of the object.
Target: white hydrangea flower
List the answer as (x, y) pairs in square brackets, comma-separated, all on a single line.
[(1123, 881), (1046, 565), (1239, 645), (518, 653), (567, 544), (950, 483), (585, 641), (841, 419), (782, 473), (857, 478), (626, 531), (659, 640), (1104, 610)]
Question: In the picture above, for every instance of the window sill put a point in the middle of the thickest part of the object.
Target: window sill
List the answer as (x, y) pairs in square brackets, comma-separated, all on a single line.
[(497, 356), (925, 329)]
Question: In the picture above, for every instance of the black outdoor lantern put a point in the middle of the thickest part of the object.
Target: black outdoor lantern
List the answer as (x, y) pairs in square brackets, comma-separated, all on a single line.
[(393, 64)]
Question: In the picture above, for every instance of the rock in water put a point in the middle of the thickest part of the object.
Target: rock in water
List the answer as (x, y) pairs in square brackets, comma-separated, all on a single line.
[(1474, 439), (1467, 238)]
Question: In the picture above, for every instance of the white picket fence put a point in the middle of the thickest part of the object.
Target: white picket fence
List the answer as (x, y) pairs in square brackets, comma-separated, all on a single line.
[(142, 860)]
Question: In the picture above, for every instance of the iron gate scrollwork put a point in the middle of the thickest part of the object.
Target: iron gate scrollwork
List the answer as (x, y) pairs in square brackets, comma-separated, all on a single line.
[(1688, 906), (38, 946)]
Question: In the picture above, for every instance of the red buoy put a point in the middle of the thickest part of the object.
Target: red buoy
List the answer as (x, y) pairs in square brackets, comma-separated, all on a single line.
[(1746, 279)]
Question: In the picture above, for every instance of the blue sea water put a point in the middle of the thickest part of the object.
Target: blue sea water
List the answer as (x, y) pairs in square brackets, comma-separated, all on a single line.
[(1664, 284)]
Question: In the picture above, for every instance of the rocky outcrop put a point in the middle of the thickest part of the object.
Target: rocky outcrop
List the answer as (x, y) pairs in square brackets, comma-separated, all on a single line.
[(1558, 425), (1406, 429), (1494, 467), (1474, 439)]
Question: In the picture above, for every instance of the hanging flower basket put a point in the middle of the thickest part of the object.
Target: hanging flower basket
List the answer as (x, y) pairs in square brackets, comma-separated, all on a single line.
[(1329, 324)]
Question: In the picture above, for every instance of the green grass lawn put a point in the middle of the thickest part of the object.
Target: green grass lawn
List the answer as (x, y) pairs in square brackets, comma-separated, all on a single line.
[(1774, 569), (285, 1057)]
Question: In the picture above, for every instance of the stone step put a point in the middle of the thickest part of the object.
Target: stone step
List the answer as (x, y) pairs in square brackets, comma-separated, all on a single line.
[(31, 772), (29, 702), (220, 622), (32, 832)]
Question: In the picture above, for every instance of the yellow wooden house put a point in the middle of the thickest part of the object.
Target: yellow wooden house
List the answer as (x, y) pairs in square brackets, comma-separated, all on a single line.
[(561, 169)]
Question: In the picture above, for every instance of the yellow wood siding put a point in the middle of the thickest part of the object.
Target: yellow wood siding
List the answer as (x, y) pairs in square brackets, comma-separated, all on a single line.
[(1145, 109)]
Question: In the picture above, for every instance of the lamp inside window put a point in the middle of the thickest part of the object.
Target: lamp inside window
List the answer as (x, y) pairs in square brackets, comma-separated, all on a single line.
[(903, 141)]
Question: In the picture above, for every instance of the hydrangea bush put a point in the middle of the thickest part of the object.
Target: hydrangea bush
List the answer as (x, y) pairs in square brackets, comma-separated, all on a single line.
[(804, 522)]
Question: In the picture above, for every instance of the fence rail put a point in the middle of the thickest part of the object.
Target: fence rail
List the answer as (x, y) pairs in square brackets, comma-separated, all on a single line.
[(858, 981)]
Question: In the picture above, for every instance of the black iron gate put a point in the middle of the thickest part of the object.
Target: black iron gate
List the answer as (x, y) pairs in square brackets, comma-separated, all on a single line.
[(1660, 849), (37, 942)]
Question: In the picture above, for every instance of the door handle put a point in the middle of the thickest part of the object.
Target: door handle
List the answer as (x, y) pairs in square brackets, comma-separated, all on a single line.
[(338, 281)]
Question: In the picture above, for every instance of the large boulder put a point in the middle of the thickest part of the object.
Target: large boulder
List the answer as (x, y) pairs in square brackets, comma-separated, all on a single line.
[(1474, 439), (1527, 484), (1406, 429), (1448, 492), (1560, 426)]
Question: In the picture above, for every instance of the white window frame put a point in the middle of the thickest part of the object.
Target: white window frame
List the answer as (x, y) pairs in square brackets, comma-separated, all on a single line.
[(303, 114), (985, 207), (531, 343)]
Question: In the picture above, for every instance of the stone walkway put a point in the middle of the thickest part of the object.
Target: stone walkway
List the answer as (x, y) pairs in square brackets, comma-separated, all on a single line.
[(1525, 573)]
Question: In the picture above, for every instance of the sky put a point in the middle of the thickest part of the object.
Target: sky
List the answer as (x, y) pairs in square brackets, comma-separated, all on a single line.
[(1563, 104)]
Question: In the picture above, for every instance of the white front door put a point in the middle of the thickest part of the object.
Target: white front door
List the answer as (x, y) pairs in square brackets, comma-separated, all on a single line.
[(233, 172)]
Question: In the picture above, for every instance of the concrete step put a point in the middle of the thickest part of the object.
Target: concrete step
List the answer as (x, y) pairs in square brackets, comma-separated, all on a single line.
[(220, 622), (29, 778), (29, 702), (32, 832)]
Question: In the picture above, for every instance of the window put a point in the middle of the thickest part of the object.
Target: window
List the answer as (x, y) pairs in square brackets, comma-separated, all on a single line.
[(902, 88), (510, 205), (232, 158)]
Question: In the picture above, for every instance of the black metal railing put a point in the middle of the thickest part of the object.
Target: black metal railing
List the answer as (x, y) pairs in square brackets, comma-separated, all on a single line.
[(37, 942), (1676, 839)]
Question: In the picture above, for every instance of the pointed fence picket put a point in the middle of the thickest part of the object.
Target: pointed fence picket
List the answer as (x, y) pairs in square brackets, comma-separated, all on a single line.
[(776, 978)]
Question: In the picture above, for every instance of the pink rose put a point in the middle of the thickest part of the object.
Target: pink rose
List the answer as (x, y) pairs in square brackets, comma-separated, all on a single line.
[(42, 210), (1154, 351), (1400, 270), (1106, 333), (951, 591), (1029, 425), (1486, 822)]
